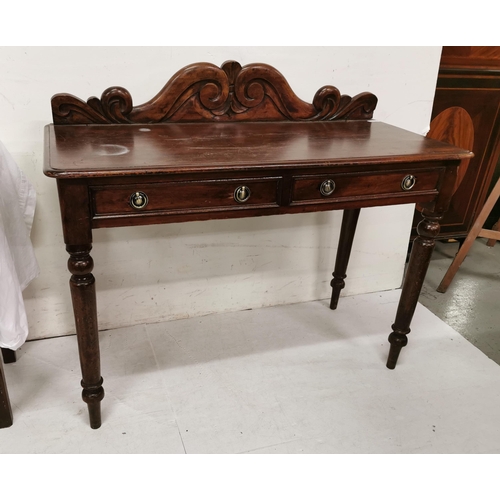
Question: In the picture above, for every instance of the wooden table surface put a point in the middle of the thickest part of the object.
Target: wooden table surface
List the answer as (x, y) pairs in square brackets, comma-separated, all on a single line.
[(109, 150)]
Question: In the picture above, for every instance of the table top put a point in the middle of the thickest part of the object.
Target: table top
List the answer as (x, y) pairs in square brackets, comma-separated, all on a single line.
[(86, 151)]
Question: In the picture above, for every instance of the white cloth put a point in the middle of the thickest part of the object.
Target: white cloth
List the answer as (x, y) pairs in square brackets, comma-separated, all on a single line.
[(18, 265)]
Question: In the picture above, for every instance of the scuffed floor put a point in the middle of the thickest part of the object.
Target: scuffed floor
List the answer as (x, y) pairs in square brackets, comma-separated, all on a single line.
[(286, 379), (471, 305)]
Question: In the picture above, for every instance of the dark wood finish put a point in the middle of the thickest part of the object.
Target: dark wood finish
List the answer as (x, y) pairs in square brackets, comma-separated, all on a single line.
[(74, 201), (347, 230), (205, 92), (182, 196), (420, 257), (82, 285), (470, 57), (469, 77), (350, 186), (454, 126), (98, 151), (8, 355), (428, 230), (6, 419), (251, 131)]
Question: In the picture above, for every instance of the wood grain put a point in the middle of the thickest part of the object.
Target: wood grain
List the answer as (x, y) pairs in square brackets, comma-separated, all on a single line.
[(205, 92), (211, 130), (469, 77), (454, 126), (117, 150)]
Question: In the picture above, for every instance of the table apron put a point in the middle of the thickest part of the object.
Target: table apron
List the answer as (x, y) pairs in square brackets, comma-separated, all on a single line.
[(165, 199)]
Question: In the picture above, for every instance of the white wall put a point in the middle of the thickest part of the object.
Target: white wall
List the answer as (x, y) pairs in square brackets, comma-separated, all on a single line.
[(156, 273)]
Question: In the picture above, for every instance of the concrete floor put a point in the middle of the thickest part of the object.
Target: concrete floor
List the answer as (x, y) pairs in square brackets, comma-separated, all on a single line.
[(286, 379), (471, 305)]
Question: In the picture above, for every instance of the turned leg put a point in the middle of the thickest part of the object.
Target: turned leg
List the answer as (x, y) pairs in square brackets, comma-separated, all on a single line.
[(421, 252), (349, 222), (5, 408), (82, 285)]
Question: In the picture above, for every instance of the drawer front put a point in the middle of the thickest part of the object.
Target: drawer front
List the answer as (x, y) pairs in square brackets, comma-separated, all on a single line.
[(185, 196), (332, 187)]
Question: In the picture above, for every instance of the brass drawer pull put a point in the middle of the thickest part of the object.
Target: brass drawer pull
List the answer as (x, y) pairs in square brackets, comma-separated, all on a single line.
[(242, 193), (408, 182), (327, 187), (139, 199)]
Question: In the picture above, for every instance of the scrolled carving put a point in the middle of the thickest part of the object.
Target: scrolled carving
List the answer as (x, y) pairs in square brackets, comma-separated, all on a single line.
[(68, 109), (116, 104), (204, 86), (205, 92), (327, 101), (359, 107), (256, 82)]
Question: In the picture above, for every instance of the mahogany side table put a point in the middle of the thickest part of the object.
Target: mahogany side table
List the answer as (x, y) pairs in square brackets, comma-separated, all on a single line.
[(228, 142)]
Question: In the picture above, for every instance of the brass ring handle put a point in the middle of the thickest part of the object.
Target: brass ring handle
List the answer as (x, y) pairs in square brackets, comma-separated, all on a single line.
[(242, 193), (408, 182), (139, 199), (327, 187)]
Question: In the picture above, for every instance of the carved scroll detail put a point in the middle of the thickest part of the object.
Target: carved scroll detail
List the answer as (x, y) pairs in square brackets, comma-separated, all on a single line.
[(205, 92)]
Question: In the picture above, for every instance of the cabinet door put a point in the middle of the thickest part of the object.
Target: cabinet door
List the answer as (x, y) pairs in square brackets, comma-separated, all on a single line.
[(477, 90)]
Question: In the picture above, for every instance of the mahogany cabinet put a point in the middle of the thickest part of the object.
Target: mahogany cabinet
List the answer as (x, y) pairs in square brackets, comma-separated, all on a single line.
[(469, 77)]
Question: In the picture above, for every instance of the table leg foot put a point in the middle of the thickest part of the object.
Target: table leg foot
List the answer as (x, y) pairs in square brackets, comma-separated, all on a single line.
[(93, 395), (337, 285), (421, 252), (397, 341)]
